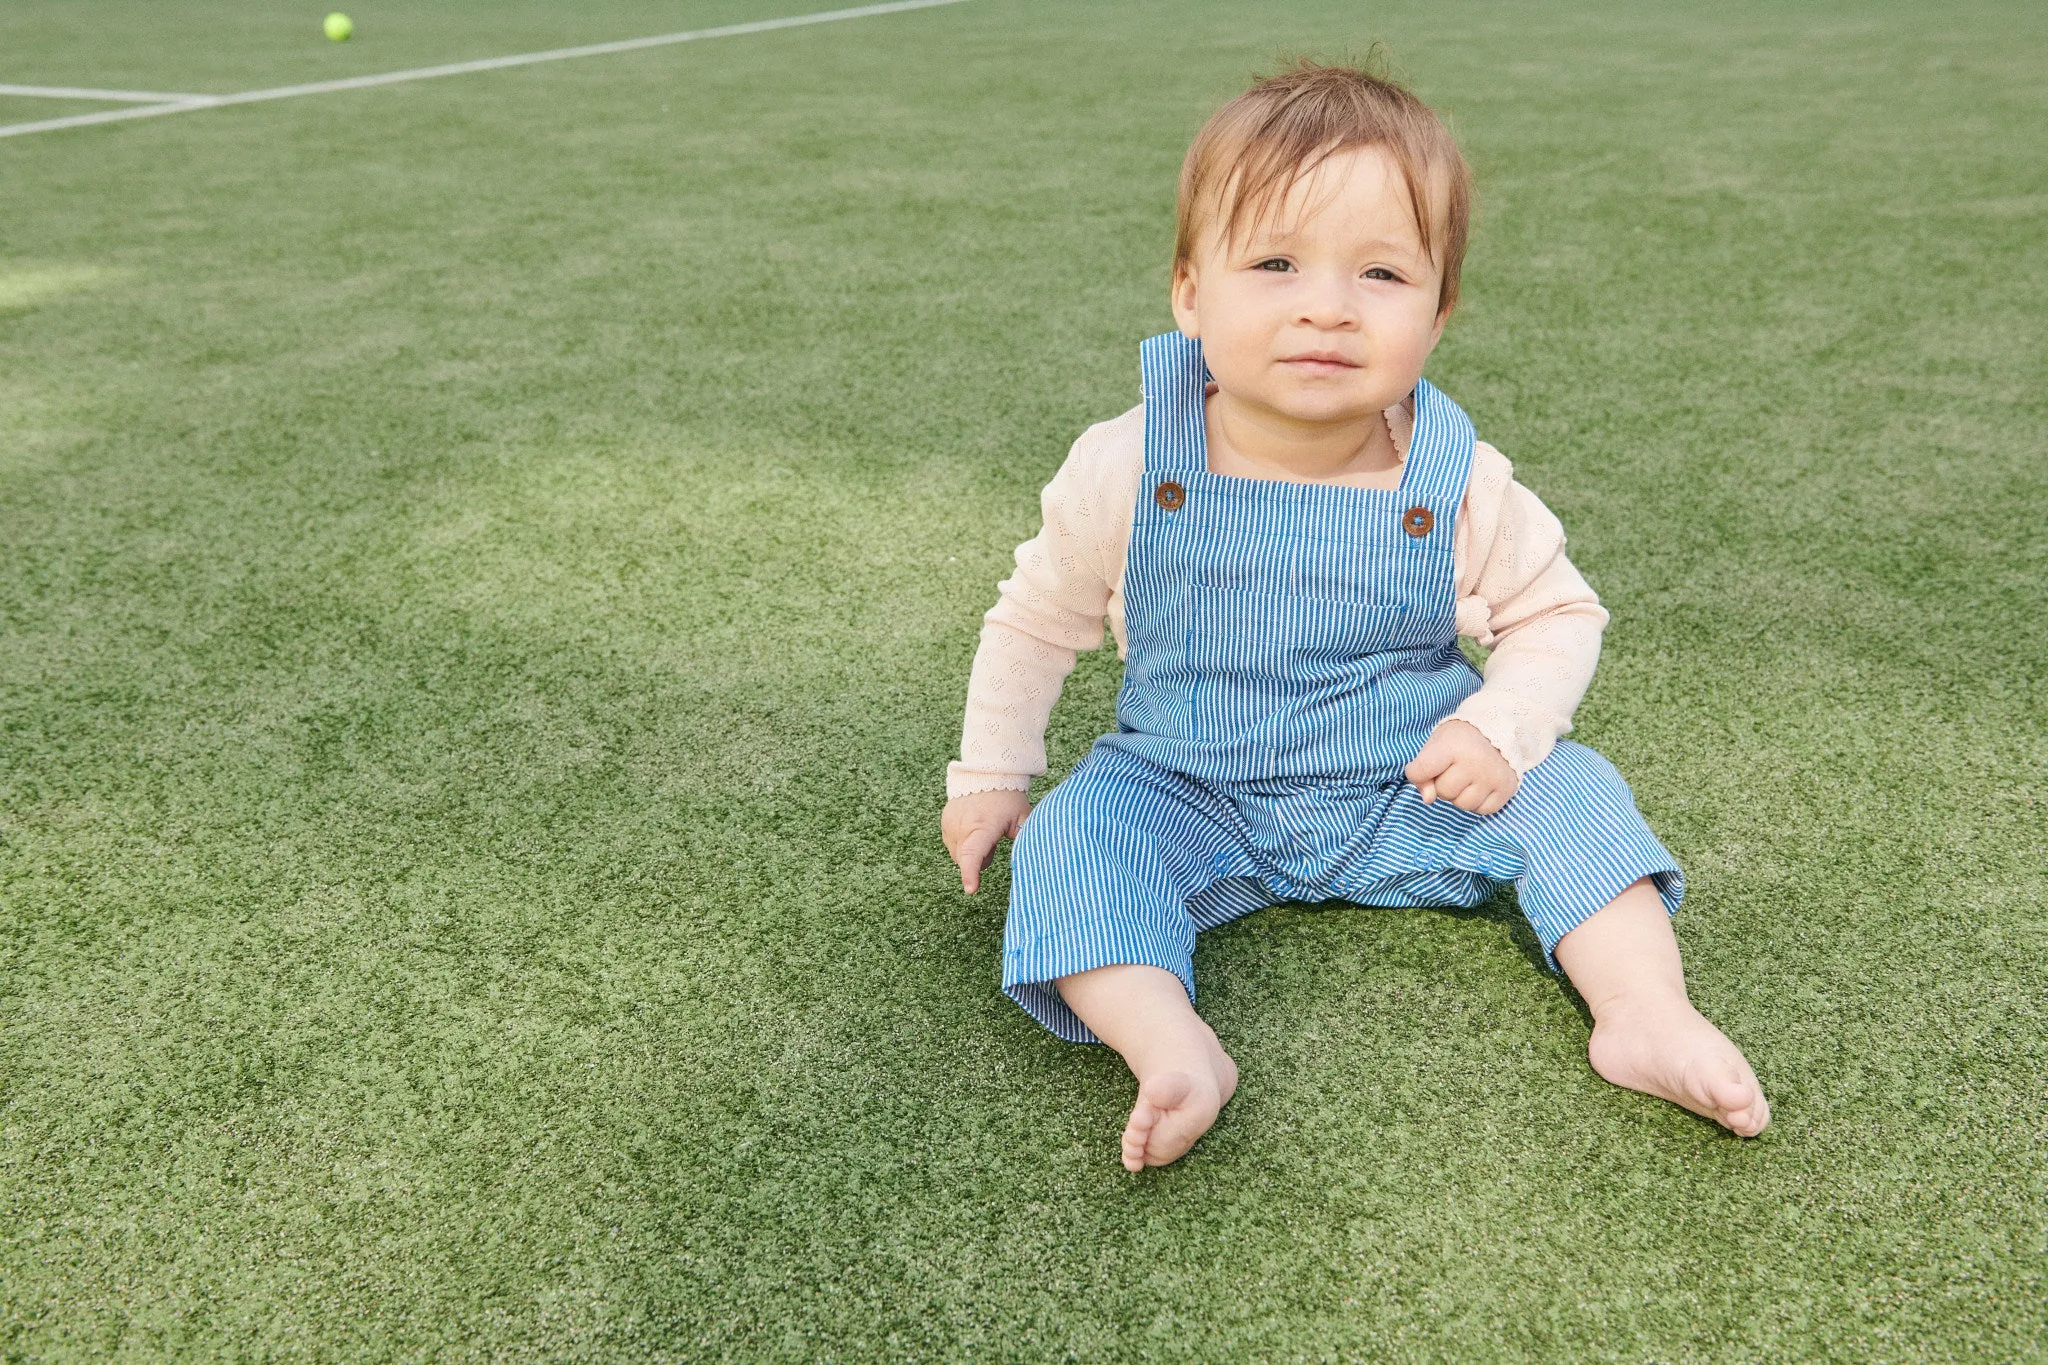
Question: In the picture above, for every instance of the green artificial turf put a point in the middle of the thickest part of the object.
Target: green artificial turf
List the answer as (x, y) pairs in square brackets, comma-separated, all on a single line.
[(488, 571)]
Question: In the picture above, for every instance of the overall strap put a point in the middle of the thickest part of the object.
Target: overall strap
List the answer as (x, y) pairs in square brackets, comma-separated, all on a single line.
[(1174, 377), (1440, 452)]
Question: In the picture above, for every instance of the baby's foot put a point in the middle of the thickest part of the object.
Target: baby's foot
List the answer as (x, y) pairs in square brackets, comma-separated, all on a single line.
[(1225, 1068), (1672, 1052), (1175, 1108)]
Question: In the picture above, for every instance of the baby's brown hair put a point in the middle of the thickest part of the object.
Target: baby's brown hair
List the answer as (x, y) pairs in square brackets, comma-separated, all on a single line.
[(1254, 149)]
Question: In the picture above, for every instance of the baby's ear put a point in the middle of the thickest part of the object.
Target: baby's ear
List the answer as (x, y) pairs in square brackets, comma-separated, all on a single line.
[(1183, 294)]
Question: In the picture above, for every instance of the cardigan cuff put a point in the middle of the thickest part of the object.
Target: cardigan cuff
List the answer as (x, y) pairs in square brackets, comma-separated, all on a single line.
[(1522, 735), (962, 780)]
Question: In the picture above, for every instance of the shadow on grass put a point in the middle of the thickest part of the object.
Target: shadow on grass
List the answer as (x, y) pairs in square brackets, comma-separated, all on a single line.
[(1505, 908)]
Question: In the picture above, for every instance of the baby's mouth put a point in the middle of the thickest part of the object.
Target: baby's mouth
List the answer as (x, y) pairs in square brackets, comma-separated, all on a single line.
[(1319, 362)]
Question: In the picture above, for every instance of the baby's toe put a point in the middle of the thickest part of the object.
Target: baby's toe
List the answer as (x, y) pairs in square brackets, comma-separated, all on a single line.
[(1749, 1119), (1138, 1133), (1158, 1097), (1735, 1098)]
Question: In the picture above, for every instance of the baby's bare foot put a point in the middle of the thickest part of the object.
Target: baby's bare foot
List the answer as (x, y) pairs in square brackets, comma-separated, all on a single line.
[(1175, 1108), (1226, 1071), (1672, 1052)]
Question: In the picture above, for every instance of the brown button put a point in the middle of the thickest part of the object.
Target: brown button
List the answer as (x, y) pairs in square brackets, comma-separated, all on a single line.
[(1416, 521), (1170, 495)]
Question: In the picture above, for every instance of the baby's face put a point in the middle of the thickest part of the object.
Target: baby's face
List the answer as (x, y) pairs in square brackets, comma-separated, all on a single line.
[(1324, 313)]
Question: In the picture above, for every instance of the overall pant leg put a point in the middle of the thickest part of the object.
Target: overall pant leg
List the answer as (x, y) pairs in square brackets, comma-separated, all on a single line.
[(1570, 840), (1123, 862)]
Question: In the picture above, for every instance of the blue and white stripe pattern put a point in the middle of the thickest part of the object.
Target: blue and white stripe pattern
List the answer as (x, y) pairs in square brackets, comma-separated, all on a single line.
[(1290, 648), (1287, 630)]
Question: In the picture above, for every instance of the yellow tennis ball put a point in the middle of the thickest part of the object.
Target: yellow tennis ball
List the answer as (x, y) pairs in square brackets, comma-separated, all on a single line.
[(338, 27)]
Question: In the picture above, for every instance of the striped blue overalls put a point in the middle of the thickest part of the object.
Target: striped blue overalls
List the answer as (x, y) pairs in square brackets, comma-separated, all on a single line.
[(1290, 647)]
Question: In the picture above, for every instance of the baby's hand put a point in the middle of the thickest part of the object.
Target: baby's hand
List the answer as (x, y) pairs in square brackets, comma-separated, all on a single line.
[(973, 824), (1461, 765)]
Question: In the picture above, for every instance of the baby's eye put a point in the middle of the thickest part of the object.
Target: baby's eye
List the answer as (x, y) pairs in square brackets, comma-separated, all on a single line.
[(1380, 272), (1275, 263)]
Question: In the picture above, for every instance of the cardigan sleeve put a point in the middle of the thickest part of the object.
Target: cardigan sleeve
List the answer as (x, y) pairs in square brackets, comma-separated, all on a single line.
[(1521, 598), (1050, 607)]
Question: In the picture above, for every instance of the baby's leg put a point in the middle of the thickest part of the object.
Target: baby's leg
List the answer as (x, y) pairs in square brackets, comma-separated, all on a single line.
[(1184, 1075), (1598, 888), (1646, 1034)]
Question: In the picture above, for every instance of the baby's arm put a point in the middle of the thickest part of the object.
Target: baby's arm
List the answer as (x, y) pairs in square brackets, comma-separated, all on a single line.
[(1051, 607), (1519, 595)]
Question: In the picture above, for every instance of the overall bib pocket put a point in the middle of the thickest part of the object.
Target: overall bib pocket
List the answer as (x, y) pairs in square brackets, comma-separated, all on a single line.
[(1263, 661)]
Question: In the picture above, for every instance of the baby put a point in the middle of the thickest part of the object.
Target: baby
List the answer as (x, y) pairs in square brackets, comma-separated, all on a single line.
[(1287, 538)]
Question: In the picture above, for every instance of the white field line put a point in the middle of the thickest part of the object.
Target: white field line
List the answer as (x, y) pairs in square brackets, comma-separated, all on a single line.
[(75, 92), (180, 104)]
